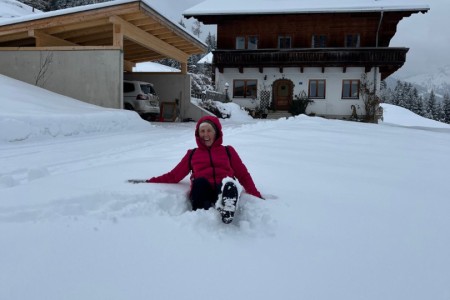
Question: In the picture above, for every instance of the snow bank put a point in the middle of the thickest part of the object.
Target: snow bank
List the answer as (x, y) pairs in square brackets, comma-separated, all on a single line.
[(396, 115), (26, 115)]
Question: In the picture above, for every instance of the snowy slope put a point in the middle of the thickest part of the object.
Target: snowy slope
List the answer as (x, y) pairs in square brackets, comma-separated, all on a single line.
[(25, 115), (13, 8), (352, 210), (437, 80)]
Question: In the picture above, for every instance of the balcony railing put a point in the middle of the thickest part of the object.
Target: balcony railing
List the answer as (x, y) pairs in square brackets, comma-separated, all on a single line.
[(389, 59)]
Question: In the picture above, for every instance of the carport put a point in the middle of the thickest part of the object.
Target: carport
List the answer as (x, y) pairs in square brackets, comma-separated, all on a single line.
[(83, 52)]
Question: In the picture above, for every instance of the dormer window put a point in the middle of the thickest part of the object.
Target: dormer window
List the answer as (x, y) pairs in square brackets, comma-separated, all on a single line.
[(352, 40), (247, 42), (284, 42), (319, 41)]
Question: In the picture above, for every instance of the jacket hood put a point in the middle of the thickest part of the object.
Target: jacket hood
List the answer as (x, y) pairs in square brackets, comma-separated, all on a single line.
[(219, 134)]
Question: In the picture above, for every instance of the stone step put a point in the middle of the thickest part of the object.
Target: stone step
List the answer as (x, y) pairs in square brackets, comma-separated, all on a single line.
[(278, 114)]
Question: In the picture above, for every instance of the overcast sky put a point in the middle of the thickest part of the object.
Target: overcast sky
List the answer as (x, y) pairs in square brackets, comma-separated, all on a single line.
[(426, 35)]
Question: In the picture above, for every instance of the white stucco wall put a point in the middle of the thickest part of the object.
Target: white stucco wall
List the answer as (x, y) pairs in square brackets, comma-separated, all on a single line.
[(333, 106)]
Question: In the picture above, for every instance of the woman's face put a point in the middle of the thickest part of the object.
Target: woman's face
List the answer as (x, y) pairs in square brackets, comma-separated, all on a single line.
[(207, 134)]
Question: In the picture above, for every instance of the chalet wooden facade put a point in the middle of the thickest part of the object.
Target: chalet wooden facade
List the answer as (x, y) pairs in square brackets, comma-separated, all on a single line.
[(318, 51)]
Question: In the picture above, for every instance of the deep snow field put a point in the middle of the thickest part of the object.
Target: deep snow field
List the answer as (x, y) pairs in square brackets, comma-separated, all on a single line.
[(352, 210)]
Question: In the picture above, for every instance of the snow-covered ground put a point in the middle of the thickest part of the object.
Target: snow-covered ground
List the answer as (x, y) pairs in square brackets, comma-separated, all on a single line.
[(13, 8), (352, 210)]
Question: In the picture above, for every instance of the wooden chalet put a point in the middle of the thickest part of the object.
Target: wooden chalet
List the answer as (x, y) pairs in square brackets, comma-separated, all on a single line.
[(325, 44)]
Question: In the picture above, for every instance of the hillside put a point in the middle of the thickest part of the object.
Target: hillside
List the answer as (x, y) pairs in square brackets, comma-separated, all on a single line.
[(437, 80)]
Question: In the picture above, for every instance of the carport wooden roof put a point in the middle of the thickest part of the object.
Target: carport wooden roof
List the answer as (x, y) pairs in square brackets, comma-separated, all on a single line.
[(131, 25)]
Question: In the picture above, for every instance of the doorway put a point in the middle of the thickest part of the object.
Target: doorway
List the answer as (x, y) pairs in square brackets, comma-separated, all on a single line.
[(283, 90)]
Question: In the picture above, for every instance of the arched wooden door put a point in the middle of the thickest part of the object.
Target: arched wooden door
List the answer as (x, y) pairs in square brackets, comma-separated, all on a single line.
[(283, 90)]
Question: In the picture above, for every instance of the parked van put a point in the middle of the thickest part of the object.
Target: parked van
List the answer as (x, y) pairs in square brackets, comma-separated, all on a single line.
[(141, 97)]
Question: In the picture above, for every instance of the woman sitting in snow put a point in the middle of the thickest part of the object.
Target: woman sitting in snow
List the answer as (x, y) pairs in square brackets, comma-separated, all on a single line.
[(214, 169)]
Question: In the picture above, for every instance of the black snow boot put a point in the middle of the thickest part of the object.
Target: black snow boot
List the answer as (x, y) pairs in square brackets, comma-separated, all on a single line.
[(228, 201)]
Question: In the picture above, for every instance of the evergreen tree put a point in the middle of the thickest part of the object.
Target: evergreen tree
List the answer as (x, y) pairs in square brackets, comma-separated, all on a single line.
[(61, 4), (211, 42), (397, 94), (181, 22), (385, 93), (440, 116), (42, 5), (403, 96), (196, 28), (431, 107), (446, 108), (420, 106)]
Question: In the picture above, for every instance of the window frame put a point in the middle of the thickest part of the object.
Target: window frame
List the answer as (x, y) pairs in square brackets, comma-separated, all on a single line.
[(317, 91), (246, 88), (352, 43), (350, 96), (319, 41), (242, 42), (238, 44), (256, 43), (285, 38)]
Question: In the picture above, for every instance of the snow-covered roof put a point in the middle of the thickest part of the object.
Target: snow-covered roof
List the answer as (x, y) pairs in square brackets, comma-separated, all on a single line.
[(65, 11), (71, 10), (207, 59), (237, 7), (13, 9), (153, 67)]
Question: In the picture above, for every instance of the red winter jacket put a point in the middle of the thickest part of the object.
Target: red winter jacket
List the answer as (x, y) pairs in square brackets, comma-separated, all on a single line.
[(211, 163)]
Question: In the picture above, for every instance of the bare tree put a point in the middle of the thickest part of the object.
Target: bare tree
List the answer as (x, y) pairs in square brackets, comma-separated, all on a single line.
[(371, 101), (45, 60)]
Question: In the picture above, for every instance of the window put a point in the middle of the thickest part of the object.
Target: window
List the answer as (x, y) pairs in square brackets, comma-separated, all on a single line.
[(244, 88), (319, 41), (352, 40), (128, 87), (251, 42), (240, 42), (316, 89), (350, 89), (284, 42)]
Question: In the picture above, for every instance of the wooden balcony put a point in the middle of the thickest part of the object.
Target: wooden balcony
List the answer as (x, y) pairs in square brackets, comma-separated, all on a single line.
[(387, 59)]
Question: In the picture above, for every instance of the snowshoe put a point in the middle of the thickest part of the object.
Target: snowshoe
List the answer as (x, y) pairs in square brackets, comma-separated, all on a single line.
[(229, 201)]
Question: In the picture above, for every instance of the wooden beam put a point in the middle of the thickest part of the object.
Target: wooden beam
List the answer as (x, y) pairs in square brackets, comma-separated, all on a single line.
[(78, 26), (117, 35), (45, 40), (14, 37), (76, 19), (60, 48), (149, 41), (84, 32), (128, 66), (183, 68)]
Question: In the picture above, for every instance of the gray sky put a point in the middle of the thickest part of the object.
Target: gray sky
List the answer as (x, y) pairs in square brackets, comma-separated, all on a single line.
[(426, 35)]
